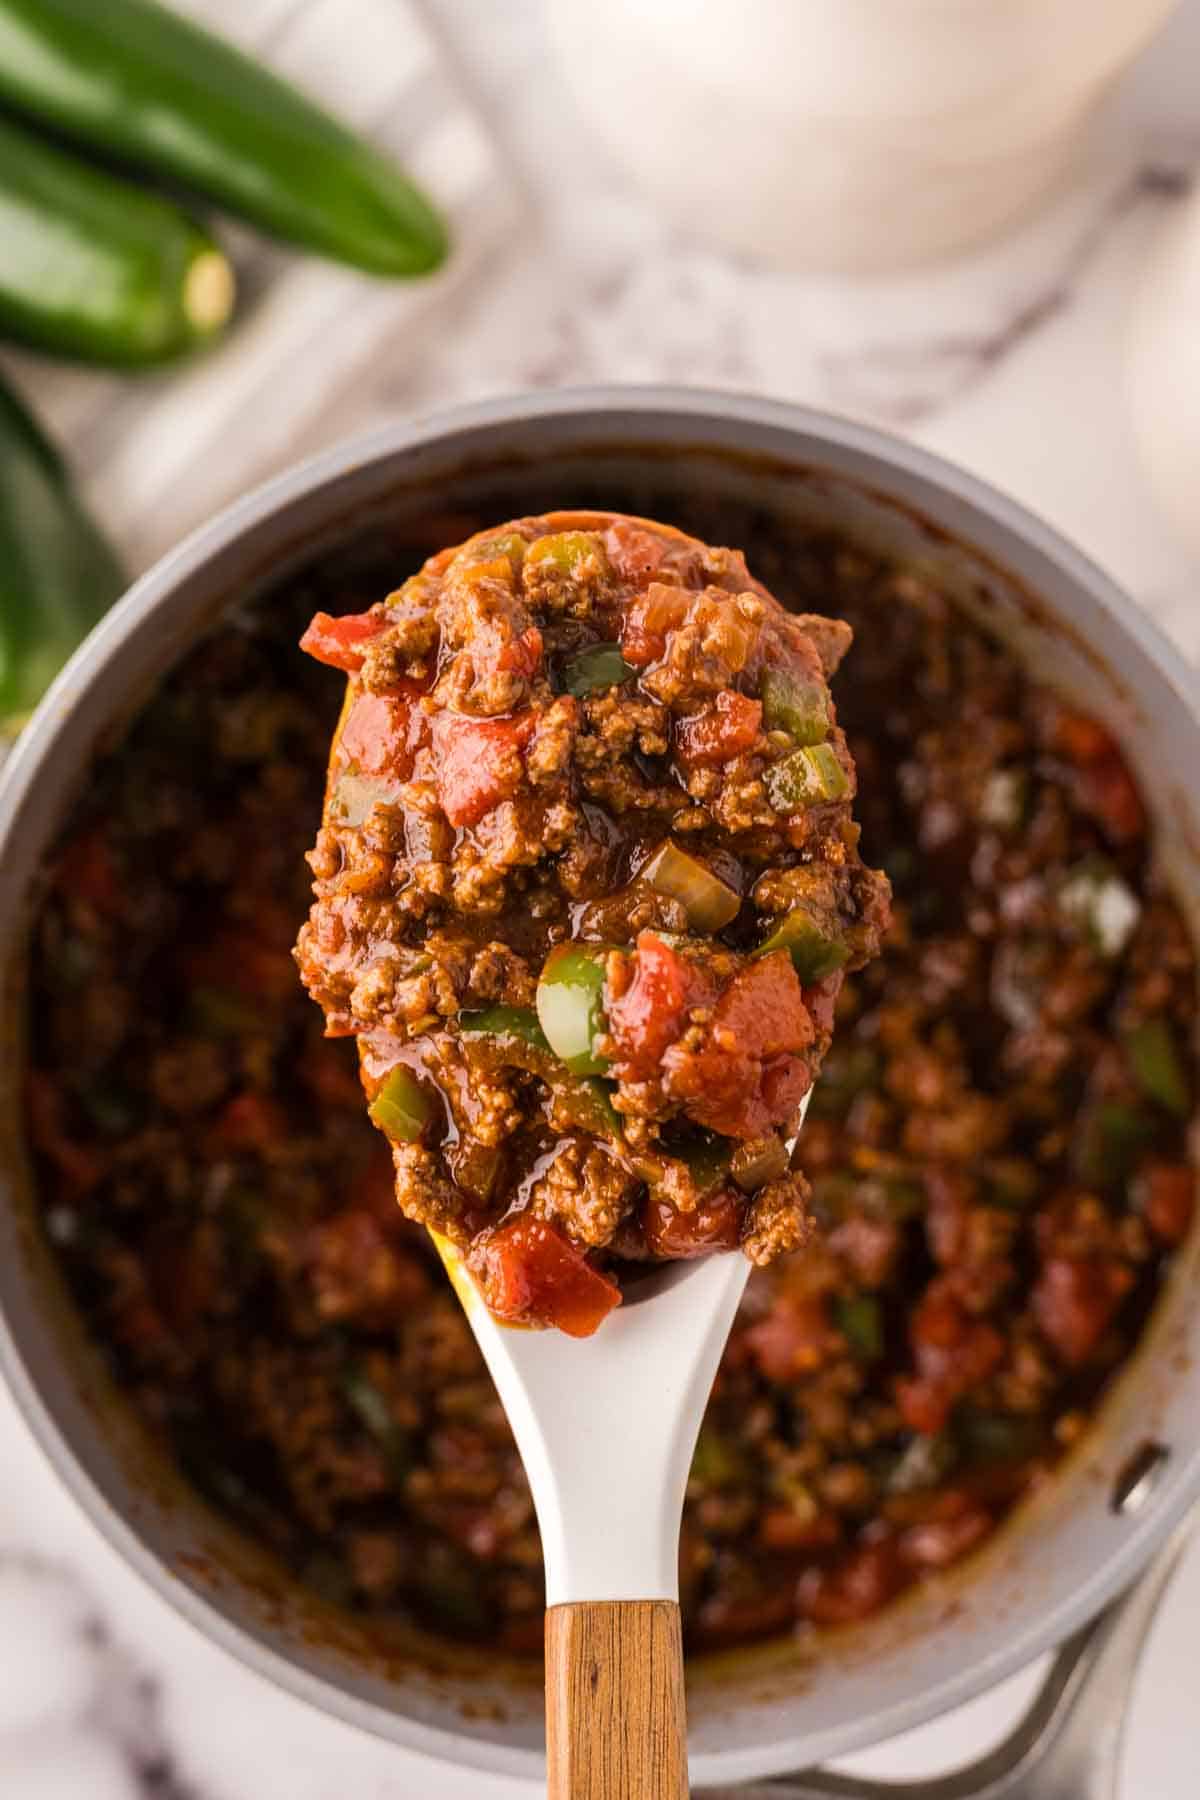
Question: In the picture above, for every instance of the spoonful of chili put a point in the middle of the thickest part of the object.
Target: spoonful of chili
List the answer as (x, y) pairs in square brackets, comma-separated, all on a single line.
[(587, 885)]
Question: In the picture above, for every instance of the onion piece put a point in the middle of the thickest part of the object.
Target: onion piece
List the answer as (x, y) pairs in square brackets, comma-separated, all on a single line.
[(709, 902)]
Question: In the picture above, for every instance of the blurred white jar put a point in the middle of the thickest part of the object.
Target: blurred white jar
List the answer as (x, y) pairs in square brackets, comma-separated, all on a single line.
[(1164, 373), (846, 134)]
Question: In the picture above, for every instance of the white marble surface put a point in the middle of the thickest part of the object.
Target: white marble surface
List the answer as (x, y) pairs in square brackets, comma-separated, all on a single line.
[(1011, 363)]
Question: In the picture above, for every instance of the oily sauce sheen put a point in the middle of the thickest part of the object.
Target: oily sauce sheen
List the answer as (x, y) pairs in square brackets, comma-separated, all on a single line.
[(997, 1145), (586, 890)]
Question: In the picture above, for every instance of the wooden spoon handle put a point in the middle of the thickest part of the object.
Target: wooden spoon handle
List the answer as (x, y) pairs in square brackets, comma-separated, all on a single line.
[(616, 1726)]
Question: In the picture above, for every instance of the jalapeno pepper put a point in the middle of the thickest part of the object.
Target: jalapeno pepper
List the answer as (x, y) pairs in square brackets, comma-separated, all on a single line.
[(57, 574), (96, 269), (143, 86)]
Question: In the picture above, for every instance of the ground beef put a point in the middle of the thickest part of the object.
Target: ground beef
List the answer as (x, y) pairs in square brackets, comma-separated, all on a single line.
[(589, 695), (888, 1393)]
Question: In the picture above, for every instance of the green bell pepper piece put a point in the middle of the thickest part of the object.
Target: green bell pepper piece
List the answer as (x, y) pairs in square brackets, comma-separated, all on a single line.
[(1157, 1066), (707, 1162), (859, 1318), (570, 1006), (376, 1417), (810, 776), (814, 951), (799, 707), (401, 1108), (507, 1021), (569, 550), (599, 666), (1109, 1138)]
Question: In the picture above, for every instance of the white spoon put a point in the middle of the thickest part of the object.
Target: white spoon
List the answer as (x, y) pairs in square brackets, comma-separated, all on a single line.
[(606, 1427)]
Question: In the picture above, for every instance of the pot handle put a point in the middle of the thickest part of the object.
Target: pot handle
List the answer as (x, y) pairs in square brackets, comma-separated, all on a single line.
[(1069, 1742)]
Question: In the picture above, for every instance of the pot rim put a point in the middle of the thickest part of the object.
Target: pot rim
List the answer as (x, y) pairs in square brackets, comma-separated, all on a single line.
[(880, 453)]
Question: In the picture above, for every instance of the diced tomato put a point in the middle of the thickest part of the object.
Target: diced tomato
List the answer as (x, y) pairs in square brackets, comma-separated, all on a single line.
[(1080, 738), (781, 1528), (381, 733), (1074, 1301), (923, 1405), (784, 1081), (958, 1524), (855, 1587), (478, 762), (1166, 1193), (132, 1314), (251, 1121), (186, 1274), (763, 1008), (953, 1351), (651, 1012), (793, 1339), (634, 553), (534, 1275), (747, 1076), (821, 1001), (1106, 789), (342, 643), (86, 868), (715, 1225), (522, 655), (939, 1322), (647, 624), (721, 731), (80, 1167), (949, 1196)]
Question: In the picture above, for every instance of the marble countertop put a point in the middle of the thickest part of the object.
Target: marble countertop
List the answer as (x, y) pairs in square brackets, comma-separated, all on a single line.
[(1011, 363)]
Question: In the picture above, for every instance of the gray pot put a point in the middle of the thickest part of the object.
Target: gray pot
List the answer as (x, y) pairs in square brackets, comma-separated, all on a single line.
[(790, 1705)]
